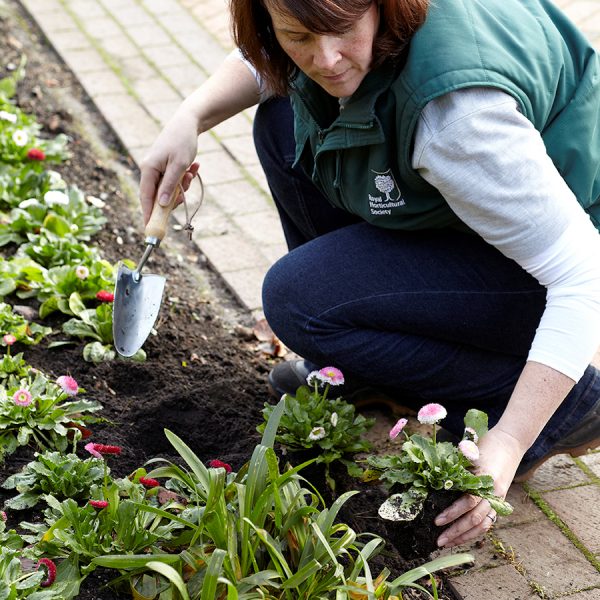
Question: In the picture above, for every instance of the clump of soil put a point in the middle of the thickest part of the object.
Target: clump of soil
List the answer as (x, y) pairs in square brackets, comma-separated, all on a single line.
[(204, 379)]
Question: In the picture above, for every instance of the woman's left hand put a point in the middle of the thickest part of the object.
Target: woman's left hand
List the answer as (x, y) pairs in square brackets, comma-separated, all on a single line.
[(471, 516)]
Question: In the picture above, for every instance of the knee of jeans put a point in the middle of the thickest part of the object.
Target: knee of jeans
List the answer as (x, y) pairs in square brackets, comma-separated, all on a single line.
[(280, 294)]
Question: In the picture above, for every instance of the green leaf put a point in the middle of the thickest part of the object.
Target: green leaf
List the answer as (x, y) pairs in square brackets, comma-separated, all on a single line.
[(172, 575), (477, 420)]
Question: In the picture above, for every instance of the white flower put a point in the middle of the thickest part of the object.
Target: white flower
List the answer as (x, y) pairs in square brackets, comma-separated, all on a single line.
[(20, 137), (82, 272), (95, 201), (334, 419), (317, 433), (310, 378), (56, 181), (29, 202), (54, 197), (6, 116)]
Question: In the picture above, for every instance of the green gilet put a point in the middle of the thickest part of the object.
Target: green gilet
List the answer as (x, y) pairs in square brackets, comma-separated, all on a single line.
[(360, 157)]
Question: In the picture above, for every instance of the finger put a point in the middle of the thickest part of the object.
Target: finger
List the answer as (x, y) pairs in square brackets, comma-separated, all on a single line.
[(461, 507), (471, 525), (148, 183), (473, 533), (186, 181), (170, 181)]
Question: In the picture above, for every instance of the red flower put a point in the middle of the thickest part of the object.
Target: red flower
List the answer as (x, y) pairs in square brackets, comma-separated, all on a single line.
[(99, 503), (36, 154), (105, 296), (149, 482), (50, 571), (98, 449), (216, 464)]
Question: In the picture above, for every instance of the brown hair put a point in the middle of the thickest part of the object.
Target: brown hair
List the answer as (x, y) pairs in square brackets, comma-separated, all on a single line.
[(253, 31)]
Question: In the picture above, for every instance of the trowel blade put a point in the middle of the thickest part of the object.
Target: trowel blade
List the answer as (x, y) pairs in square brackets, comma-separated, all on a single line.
[(135, 309)]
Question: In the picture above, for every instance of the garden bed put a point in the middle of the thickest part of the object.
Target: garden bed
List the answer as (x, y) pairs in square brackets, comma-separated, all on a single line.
[(205, 375)]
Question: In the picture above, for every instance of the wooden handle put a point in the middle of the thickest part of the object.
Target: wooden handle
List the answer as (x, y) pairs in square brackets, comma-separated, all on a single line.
[(157, 225)]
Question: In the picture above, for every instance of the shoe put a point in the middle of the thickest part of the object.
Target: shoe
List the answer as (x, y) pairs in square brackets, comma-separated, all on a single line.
[(584, 437), (288, 376)]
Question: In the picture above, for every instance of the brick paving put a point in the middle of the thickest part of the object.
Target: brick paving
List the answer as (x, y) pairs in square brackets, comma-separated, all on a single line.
[(137, 59)]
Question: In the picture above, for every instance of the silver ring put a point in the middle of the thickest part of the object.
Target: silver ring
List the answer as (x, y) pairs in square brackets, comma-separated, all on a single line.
[(491, 517)]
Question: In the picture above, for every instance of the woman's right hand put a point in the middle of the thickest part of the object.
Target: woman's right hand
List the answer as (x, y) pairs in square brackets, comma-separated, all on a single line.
[(169, 161)]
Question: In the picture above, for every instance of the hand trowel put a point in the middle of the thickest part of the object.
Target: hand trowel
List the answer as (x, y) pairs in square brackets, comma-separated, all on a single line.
[(138, 295)]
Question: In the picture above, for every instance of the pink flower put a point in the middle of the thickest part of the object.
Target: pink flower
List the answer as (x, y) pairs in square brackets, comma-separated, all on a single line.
[(98, 450), (98, 504), (105, 296), (431, 414), (469, 449), (22, 397), (149, 482), (36, 154), (397, 428), (331, 375), (9, 339), (3, 515), (50, 571), (219, 464), (68, 385), (471, 434), (82, 272)]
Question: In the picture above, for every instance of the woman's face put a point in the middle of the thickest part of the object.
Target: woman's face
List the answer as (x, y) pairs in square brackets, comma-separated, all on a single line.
[(338, 63)]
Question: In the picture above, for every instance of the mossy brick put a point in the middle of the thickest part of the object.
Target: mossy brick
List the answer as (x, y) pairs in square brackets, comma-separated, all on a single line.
[(161, 111), (549, 558), (132, 16), (231, 252), (86, 9), (102, 27), (593, 594), (168, 55), (218, 167), (242, 147), (149, 34), (502, 583), (163, 7), (559, 471), (592, 461), (579, 509), (525, 509), (261, 227), (258, 175), (186, 78), (81, 61), (37, 8), (485, 554), (55, 22), (137, 67), (120, 47), (155, 89), (234, 127), (71, 39)]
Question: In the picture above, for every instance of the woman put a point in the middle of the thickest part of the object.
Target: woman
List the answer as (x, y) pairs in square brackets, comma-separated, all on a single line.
[(440, 193)]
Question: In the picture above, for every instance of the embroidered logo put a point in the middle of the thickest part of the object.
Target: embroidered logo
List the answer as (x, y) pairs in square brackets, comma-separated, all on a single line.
[(390, 194)]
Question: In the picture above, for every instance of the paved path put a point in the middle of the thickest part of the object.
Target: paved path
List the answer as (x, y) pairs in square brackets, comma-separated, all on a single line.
[(137, 59)]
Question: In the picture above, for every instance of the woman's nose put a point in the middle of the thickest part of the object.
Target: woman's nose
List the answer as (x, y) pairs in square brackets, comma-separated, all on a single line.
[(327, 53)]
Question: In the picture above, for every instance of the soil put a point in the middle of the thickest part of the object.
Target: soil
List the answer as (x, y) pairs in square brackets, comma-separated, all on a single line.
[(205, 376)]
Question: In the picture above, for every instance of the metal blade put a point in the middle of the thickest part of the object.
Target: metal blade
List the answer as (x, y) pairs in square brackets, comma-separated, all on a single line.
[(135, 309)]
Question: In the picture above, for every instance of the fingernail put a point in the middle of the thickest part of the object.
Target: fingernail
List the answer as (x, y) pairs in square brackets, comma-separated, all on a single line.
[(164, 200), (441, 520), (442, 541)]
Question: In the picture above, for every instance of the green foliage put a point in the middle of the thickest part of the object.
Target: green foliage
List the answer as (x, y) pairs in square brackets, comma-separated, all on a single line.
[(48, 422), (425, 465), (23, 330), (59, 475), (13, 366), (311, 421)]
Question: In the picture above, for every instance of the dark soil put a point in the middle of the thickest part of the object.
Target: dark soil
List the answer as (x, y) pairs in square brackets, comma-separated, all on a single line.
[(205, 378)]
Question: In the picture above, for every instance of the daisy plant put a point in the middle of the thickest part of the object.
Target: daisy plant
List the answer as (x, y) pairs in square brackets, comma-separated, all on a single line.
[(17, 326), (313, 422), (256, 533), (424, 465), (35, 410)]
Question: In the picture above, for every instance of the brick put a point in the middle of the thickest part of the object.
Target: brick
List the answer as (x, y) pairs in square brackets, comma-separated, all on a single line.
[(218, 167), (186, 78), (592, 461), (64, 41), (483, 551), (586, 595), (558, 471), (274, 252), (162, 111), (54, 22), (137, 67), (259, 177), (36, 8), (501, 583), (120, 46), (86, 9), (234, 127), (261, 227), (231, 252), (584, 521), (102, 27), (102, 82), (131, 16), (155, 89), (246, 285), (241, 197), (130, 122), (163, 7), (580, 11), (242, 147), (167, 55), (549, 558), (149, 34), (81, 61)]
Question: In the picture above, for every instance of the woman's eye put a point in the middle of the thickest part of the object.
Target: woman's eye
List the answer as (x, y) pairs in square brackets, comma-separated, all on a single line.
[(299, 39)]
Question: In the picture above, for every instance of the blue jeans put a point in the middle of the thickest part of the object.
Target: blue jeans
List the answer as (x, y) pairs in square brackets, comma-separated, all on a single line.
[(434, 315)]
